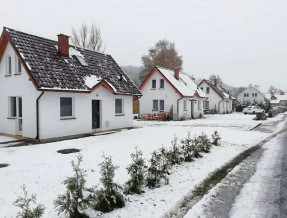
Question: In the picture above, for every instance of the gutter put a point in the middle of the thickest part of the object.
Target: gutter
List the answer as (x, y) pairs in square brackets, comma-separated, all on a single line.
[(37, 116), (177, 107)]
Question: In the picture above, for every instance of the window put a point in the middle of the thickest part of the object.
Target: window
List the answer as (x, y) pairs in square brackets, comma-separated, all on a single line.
[(255, 94), (246, 94), (119, 106), (161, 105), (9, 66), (66, 107), (155, 105), (207, 90), (81, 60), (153, 86), (201, 88), (17, 66), (206, 106), (12, 107), (161, 83), (184, 105)]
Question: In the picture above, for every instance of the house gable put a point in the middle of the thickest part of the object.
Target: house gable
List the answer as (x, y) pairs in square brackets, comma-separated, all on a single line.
[(211, 86), (156, 70)]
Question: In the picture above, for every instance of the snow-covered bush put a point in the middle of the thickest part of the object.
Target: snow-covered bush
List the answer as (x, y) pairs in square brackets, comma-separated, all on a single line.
[(158, 169), (136, 170), (175, 153), (187, 148), (204, 143), (27, 211), (109, 197), (215, 138), (73, 201)]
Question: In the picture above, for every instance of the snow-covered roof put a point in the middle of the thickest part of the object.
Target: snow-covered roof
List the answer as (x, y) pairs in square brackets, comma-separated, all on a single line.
[(185, 84), (218, 89), (278, 98)]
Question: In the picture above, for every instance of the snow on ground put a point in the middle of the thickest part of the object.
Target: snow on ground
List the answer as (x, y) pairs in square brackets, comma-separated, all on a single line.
[(42, 169), (235, 120)]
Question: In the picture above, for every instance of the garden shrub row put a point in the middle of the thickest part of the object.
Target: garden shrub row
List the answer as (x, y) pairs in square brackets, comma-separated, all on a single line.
[(77, 197)]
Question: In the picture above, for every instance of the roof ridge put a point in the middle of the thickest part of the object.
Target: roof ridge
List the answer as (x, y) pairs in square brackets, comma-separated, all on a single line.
[(42, 37)]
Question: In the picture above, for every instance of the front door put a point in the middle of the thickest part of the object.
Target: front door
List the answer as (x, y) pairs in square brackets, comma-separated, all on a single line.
[(192, 109), (95, 114)]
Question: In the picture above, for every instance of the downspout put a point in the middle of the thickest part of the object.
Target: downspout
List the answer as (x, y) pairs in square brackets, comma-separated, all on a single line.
[(177, 107), (37, 116)]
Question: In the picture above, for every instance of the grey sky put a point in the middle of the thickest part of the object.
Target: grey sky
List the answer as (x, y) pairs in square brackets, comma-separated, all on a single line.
[(244, 41)]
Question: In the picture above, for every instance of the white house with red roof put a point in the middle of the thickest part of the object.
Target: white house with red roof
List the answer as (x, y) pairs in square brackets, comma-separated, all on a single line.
[(219, 100), (52, 89), (166, 91)]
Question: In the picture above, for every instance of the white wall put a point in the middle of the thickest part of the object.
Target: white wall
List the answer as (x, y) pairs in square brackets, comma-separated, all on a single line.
[(49, 107), (17, 86), (259, 99), (188, 112), (167, 94), (52, 126)]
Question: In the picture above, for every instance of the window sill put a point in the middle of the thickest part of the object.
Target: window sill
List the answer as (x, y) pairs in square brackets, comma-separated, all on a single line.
[(161, 88), (119, 115), (7, 75), (184, 109), (11, 118), (67, 118), (17, 74), (153, 89)]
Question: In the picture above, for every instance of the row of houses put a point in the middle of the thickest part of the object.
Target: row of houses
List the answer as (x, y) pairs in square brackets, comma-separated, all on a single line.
[(251, 95), (52, 89)]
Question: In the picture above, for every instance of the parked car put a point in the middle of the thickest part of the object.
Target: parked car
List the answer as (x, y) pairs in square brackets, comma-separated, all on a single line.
[(253, 110)]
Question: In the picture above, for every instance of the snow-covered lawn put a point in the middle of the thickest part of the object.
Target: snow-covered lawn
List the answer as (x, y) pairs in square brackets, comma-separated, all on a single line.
[(42, 169)]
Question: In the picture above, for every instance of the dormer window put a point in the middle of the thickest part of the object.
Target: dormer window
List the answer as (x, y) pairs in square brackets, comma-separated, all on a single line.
[(81, 60)]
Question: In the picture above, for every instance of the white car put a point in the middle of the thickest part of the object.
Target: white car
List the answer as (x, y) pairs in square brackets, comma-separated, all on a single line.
[(253, 110)]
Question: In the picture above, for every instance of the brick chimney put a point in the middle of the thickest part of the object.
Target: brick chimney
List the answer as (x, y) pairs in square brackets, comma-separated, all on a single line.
[(215, 81), (63, 44), (176, 73)]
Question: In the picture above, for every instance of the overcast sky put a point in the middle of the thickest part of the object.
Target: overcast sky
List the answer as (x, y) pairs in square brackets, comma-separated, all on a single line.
[(243, 41)]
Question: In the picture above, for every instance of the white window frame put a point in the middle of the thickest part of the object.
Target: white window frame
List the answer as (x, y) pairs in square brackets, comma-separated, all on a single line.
[(161, 87), (199, 104), (10, 107), (207, 90), (122, 112), (73, 108), (8, 65), (153, 82), (161, 109), (153, 105), (18, 65), (206, 102)]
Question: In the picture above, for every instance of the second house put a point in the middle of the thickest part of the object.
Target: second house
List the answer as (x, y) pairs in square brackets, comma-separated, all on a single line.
[(168, 91)]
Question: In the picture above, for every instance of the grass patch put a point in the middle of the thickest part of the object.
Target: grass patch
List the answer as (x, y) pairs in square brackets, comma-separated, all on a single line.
[(68, 151)]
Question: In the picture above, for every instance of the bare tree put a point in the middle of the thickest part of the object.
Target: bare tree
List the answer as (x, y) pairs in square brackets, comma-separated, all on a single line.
[(88, 37), (163, 54), (213, 76)]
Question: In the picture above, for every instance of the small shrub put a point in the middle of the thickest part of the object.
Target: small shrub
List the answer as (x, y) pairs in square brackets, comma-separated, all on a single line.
[(69, 151), (215, 138), (136, 170), (109, 197), (175, 154), (25, 204), (187, 148), (196, 149), (158, 169), (204, 143), (73, 201)]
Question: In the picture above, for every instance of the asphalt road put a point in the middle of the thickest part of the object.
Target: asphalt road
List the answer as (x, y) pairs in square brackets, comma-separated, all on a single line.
[(272, 197)]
